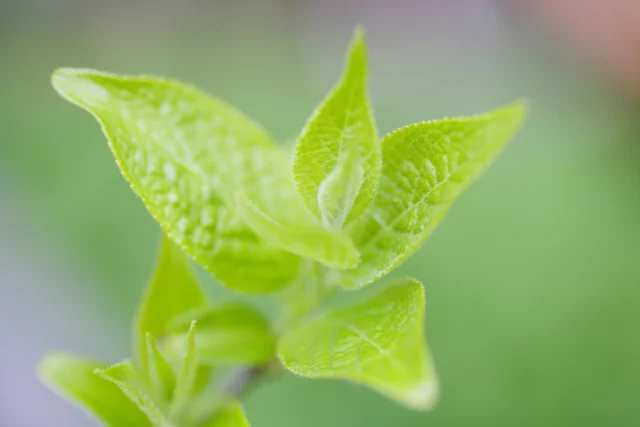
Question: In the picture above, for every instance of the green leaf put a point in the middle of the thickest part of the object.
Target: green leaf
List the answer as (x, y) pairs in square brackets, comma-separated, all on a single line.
[(160, 375), (233, 333), (309, 239), (186, 154), (187, 382), (337, 159), (377, 342), (339, 191), (231, 415), (74, 377), (173, 290), (125, 376), (426, 167)]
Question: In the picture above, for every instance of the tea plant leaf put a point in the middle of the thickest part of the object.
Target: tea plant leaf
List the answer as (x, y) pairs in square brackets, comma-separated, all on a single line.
[(426, 167), (173, 290), (127, 379), (233, 333), (160, 375), (377, 342), (185, 154), (337, 159), (187, 380), (75, 378), (231, 415), (311, 240)]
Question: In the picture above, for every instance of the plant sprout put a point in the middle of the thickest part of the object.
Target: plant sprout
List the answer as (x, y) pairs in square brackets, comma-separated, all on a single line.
[(348, 209)]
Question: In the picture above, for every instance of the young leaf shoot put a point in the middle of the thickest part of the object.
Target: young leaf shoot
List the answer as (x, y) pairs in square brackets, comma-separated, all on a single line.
[(350, 210)]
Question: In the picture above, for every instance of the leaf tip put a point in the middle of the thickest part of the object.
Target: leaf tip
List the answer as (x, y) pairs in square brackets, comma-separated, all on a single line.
[(424, 396), (357, 56), (517, 111), (79, 86), (360, 34), (48, 365), (192, 333)]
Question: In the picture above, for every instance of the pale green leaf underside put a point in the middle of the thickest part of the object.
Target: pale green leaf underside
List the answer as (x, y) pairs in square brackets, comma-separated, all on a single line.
[(340, 142), (75, 378), (231, 415), (233, 333), (172, 290), (377, 342), (425, 168), (308, 239), (125, 376), (185, 154)]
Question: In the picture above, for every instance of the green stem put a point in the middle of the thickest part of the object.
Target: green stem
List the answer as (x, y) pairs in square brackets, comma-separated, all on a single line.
[(313, 287), (235, 387), (241, 381)]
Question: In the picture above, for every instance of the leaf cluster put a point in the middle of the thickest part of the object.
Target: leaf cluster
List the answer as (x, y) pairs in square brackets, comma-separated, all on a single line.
[(347, 209)]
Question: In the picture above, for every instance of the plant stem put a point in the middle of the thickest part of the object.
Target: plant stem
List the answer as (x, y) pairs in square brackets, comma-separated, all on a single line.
[(234, 387), (242, 380)]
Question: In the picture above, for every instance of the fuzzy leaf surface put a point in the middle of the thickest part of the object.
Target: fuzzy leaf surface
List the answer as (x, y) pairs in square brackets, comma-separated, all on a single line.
[(377, 342), (426, 167), (75, 378), (337, 158), (185, 154)]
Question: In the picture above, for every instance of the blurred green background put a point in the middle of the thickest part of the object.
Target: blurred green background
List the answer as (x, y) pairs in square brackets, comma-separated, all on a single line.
[(533, 280)]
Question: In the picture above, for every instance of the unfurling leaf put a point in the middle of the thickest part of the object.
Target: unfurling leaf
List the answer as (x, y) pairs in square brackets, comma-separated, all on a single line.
[(233, 333), (377, 342), (125, 376), (230, 415), (186, 154), (160, 375), (426, 167), (308, 239), (187, 382), (337, 158), (339, 190), (76, 379), (172, 291)]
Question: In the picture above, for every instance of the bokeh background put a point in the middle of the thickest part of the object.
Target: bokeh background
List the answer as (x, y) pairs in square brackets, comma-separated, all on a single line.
[(533, 280)]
